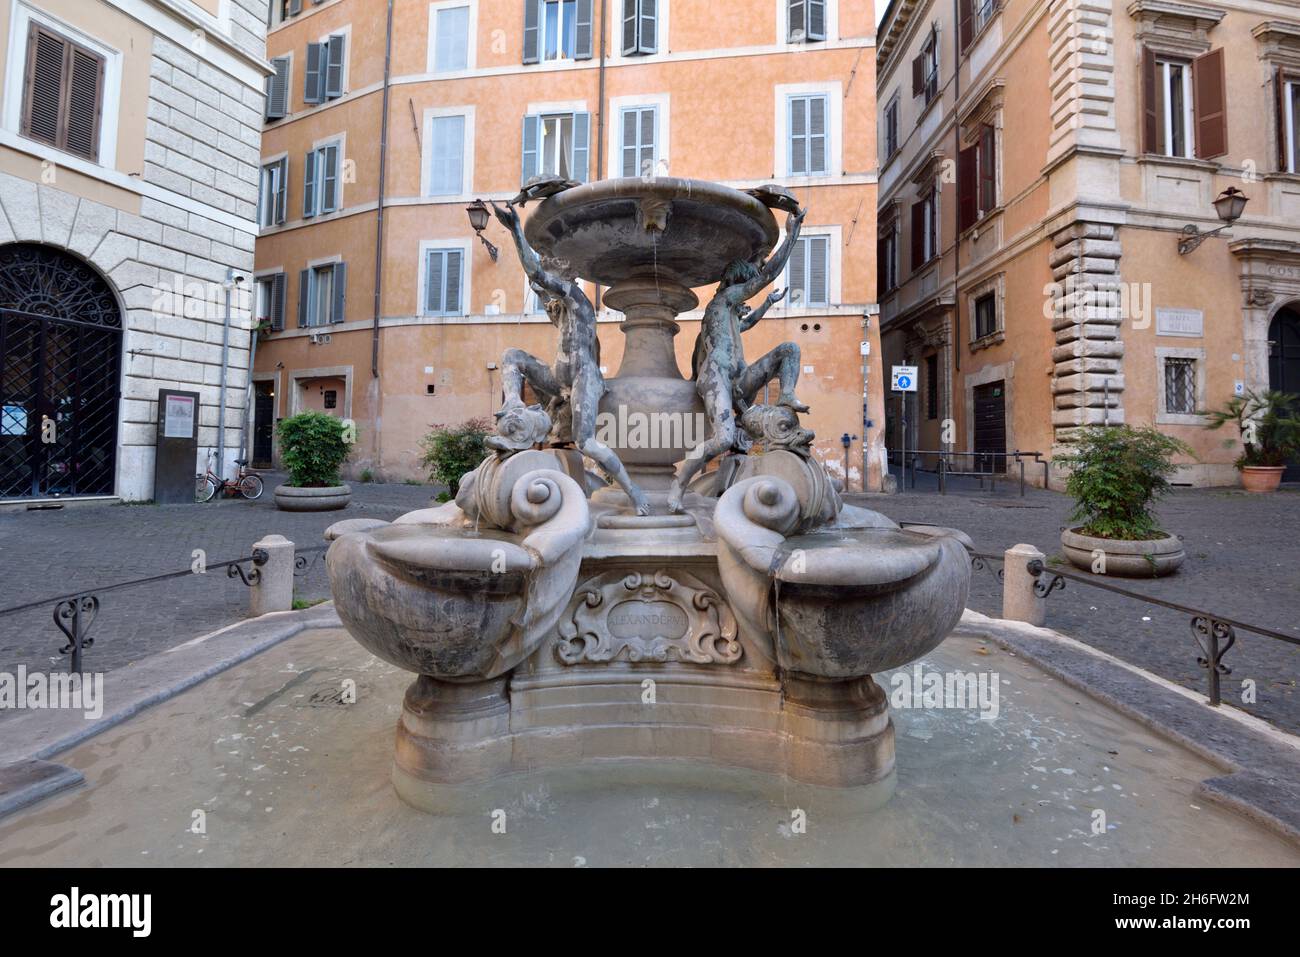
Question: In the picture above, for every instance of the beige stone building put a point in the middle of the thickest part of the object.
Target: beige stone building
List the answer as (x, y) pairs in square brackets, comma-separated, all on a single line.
[(380, 132), (1048, 174)]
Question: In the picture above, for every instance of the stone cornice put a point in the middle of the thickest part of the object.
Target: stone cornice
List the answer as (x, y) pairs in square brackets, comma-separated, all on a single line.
[(1194, 16), (894, 24)]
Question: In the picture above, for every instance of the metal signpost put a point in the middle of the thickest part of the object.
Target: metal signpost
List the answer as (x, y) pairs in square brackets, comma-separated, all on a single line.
[(903, 381)]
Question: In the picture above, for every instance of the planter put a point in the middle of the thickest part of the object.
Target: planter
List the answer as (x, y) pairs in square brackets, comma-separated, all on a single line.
[(293, 499), (1261, 478), (1150, 558)]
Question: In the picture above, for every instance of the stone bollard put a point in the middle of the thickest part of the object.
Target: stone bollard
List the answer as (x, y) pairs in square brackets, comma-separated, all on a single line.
[(1019, 601), (274, 590)]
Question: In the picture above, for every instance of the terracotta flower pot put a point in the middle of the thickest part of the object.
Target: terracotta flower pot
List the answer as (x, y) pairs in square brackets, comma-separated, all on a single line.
[(1139, 559), (1261, 478)]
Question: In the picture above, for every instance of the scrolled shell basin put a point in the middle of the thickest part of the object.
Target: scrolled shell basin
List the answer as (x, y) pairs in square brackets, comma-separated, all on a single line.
[(432, 600), (600, 229), (854, 602)]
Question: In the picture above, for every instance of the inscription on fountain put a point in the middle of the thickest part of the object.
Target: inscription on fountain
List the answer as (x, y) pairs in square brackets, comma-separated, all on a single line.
[(647, 619)]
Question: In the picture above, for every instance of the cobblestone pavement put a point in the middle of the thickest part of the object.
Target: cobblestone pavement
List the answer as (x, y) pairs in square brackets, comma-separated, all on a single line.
[(52, 553), (1243, 562)]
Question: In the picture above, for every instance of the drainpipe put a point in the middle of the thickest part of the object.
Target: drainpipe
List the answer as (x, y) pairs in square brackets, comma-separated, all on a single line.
[(231, 281), (600, 113), (379, 232)]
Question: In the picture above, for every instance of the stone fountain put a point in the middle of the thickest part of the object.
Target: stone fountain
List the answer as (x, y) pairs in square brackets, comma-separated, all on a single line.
[(597, 597)]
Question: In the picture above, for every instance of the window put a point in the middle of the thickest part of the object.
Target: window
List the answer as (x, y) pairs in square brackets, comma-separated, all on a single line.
[(1184, 105), (63, 93), (807, 125), (977, 179), (891, 128), (932, 387), (925, 68), (986, 315), (640, 127), (557, 30), (290, 8), (972, 17), (1288, 124), (805, 20), (272, 191), (320, 181), (277, 89), (443, 269), (331, 398), (808, 273), (925, 228), (1180, 386), (557, 144), (451, 39), (269, 306), (887, 260), (322, 294), (324, 73), (446, 155), (640, 27)]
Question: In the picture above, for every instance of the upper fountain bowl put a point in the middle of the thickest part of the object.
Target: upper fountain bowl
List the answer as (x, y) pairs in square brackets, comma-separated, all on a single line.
[(682, 230)]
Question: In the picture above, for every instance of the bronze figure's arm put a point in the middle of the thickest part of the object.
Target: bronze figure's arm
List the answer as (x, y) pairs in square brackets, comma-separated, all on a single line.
[(528, 257), (751, 320), (770, 270)]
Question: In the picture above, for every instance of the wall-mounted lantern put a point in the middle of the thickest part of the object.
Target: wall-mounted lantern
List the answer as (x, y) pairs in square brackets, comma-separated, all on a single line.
[(1230, 205), (478, 218)]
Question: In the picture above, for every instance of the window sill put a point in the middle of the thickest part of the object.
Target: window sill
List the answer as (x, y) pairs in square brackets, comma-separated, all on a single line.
[(979, 33), (1187, 162), (987, 342), (972, 231), (1180, 418)]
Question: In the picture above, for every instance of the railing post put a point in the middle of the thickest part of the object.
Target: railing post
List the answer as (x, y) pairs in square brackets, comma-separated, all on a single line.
[(1020, 602), (273, 591)]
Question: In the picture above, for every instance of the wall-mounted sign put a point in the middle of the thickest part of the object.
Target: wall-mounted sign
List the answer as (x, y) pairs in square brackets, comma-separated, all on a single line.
[(904, 379), (1180, 322)]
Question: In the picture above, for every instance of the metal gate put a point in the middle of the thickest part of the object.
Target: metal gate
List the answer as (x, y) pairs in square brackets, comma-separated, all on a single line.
[(60, 361)]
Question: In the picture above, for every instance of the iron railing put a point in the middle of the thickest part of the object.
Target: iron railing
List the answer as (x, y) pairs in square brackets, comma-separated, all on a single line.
[(981, 465), (1213, 633), (75, 613)]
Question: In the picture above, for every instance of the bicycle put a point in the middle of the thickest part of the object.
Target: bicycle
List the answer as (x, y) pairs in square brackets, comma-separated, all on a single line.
[(246, 483)]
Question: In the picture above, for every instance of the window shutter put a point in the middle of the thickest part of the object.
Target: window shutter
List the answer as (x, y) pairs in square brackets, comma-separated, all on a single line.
[(335, 53), (631, 16), (282, 191), (304, 298), (882, 256), (532, 33), (647, 40), (451, 301), (817, 134), (988, 165), (1279, 116), (819, 271), (531, 130), (311, 84), (447, 151), (295, 7), (433, 287), (965, 23), (579, 159), (452, 52), (1210, 104), (649, 133), (798, 135), (309, 185), (43, 96), (631, 154), (798, 278), (816, 19), (582, 31), (340, 293), (329, 174), (277, 301), (967, 187), (797, 21), (277, 95), (1150, 119), (918, 74), (85, 102), (918, 235)]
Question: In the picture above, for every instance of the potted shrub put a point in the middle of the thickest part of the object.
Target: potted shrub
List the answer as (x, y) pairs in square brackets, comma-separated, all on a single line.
[(1270, 434), (1117, 473), (452, 450), (312, 446)]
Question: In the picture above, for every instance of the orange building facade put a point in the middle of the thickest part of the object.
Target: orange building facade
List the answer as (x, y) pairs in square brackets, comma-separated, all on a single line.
[(380, 304)]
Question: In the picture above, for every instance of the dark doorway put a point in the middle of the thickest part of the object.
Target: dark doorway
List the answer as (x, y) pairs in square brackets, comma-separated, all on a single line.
[(60, 361), (263, 424), (990, 427), (1284, 366)]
